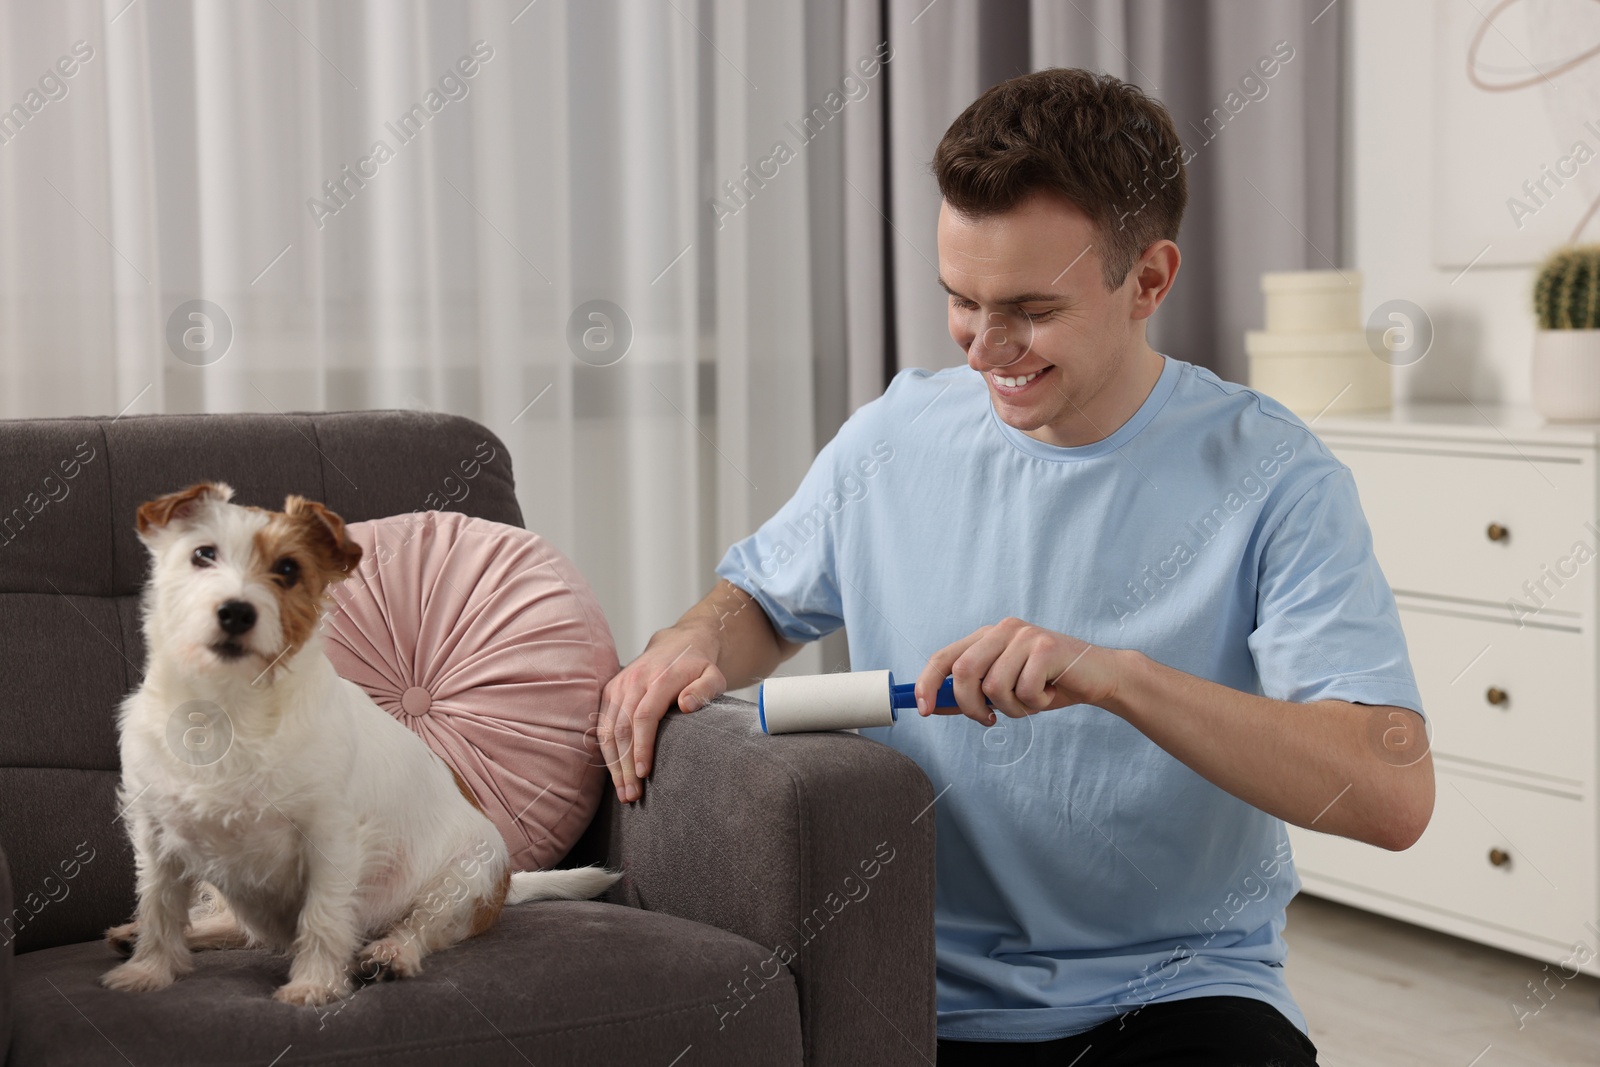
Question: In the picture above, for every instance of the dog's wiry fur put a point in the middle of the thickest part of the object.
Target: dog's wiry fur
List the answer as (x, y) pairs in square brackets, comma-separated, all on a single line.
[(326, 828)]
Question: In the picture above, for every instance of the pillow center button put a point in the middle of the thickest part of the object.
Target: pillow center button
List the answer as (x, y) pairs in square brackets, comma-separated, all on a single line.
[(416, 701)]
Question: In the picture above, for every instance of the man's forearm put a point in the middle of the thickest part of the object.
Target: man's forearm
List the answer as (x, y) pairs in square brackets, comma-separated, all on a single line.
[(737, 633), (1360, 771)]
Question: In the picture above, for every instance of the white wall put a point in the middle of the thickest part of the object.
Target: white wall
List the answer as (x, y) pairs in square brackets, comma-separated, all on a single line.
[(1483, 322)]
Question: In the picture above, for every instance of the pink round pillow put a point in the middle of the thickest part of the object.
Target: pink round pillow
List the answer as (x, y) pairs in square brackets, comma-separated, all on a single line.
[(488, 643)]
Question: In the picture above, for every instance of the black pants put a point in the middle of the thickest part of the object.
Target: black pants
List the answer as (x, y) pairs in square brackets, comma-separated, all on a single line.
[(1199, 1032)]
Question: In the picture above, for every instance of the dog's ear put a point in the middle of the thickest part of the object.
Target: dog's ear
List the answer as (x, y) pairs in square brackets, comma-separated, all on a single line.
[(155, 515), (325, 534)]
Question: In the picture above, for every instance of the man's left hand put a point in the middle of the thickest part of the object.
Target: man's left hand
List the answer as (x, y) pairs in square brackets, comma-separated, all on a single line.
[(1022, 669)]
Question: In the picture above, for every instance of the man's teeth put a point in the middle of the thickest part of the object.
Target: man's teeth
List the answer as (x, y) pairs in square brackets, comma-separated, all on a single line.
[(1012, 383)]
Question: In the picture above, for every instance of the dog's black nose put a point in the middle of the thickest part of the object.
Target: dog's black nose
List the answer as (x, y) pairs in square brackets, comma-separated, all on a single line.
[(236, 617)]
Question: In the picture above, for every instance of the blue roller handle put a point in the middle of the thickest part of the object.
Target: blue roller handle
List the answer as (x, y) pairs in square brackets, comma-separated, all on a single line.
[(905, 695)]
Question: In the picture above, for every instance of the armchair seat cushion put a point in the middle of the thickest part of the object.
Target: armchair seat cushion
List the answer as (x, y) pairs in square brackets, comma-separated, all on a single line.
[(551, 982)]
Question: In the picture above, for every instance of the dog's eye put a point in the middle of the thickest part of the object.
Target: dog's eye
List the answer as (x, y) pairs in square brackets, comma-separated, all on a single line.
[(287, 569), (204, 556)]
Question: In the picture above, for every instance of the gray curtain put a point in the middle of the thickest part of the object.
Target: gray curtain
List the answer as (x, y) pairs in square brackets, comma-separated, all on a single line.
[(1264, 183)]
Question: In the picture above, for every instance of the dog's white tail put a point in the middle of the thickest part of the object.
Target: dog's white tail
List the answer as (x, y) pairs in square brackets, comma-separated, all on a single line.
[(578, 883)]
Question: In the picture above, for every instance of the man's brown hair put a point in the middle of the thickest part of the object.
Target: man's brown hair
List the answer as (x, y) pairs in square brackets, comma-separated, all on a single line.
[(1095, 139)]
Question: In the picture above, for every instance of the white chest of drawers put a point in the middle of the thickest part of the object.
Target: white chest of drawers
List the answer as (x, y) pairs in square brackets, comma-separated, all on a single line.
[(1484, 521)]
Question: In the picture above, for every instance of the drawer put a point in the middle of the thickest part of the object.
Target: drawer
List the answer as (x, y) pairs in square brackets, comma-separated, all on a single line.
[(1519, 697), (1544, 885), (1431, 514)]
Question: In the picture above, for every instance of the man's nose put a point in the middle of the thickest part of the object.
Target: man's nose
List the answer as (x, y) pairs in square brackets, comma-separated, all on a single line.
[(994, 346)]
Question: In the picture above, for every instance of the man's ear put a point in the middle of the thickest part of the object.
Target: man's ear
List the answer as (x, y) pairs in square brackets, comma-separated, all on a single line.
[(156, 515), (1153, 274), (325, 534)]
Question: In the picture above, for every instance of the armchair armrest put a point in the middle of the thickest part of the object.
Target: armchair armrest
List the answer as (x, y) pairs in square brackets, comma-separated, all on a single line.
[(814, 845)]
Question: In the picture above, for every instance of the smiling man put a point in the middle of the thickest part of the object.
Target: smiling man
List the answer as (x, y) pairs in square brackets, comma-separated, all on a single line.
[(1155, 591)]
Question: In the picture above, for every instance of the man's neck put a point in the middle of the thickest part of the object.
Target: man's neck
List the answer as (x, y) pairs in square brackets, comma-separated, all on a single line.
[(1102, 415)]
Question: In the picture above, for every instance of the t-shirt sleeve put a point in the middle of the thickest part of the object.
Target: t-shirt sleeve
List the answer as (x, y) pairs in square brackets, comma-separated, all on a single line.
[(1327, 627), (789, 564)]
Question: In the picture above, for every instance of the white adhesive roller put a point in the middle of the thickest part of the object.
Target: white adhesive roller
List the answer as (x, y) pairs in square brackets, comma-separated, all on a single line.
[(838, 701), (826, 702)]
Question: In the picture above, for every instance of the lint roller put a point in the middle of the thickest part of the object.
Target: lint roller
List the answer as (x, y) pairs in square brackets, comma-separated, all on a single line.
[(839, 701)]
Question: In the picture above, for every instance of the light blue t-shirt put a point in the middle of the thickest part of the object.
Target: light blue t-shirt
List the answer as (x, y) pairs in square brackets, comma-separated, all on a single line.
[(1082, 872)]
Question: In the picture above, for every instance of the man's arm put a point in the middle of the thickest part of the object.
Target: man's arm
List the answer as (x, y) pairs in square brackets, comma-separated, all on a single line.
[(1357, 770), (748, 647), (1360, 771), (724, 642)]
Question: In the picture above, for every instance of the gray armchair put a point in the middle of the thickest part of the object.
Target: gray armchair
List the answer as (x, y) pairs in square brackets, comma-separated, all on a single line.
[(778, 900)]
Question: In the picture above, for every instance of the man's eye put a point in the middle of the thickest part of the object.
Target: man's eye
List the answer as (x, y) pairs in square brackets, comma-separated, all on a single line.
[(204, 556), (1037, 315), (288, 570)]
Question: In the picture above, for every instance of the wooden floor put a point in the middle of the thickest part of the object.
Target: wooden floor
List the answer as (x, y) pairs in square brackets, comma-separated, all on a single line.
[(1380, 992)]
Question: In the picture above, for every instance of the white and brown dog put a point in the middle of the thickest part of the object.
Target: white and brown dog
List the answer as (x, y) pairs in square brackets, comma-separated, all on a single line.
[(325, 827)]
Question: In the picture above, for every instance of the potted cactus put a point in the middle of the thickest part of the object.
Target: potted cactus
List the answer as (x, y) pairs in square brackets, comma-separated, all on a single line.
[(1566, 349)]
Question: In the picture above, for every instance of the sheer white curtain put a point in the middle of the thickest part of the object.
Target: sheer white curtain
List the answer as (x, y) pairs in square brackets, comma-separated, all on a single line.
[(402, 204)]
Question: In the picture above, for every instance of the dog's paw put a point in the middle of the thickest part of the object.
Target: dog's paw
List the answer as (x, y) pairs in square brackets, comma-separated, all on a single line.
[(133, 977), (308, 994), (123, 938), (388, 958)]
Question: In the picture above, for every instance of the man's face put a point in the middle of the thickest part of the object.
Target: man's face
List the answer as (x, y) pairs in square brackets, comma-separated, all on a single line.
[(1029, 307)]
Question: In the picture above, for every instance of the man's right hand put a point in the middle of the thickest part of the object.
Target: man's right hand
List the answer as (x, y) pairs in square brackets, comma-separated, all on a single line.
[(678, 666)]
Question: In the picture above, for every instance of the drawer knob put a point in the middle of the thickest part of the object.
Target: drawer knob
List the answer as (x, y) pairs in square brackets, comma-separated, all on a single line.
[(1497, 532), (1499, 858), (1496, 696)]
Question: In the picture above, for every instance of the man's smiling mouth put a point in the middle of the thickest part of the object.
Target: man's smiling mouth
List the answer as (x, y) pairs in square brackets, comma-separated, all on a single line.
[(1015, 382)]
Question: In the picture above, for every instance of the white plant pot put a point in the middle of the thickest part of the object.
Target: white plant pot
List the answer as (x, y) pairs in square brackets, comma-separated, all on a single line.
[(1566, 374)]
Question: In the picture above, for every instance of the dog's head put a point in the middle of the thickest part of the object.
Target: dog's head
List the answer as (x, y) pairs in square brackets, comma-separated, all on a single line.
[(239, 586)]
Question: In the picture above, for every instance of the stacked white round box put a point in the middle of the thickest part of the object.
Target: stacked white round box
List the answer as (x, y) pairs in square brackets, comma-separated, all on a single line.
[(1313, 355)]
